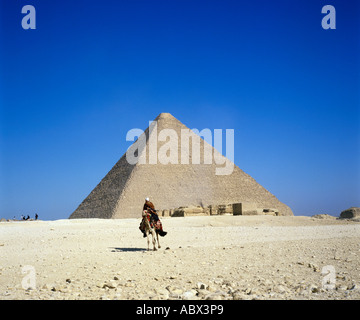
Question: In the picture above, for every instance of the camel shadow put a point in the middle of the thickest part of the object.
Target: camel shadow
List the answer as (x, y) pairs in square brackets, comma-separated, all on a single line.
[(126, 249)]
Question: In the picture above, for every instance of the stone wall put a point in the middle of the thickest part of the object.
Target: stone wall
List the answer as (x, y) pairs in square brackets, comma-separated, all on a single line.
[(245, 208), (190, 211)]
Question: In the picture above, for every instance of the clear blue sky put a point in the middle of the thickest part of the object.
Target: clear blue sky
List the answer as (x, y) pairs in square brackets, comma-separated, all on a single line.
[(92, 70)]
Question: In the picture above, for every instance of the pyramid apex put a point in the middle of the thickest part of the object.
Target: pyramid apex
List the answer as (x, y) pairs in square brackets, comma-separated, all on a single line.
[(164, 115)]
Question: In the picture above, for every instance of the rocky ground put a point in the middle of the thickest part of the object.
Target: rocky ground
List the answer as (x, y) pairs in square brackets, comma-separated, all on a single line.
[(213, 257)]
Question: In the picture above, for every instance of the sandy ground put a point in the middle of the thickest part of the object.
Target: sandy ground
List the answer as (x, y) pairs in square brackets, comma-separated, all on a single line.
[(213, 257)]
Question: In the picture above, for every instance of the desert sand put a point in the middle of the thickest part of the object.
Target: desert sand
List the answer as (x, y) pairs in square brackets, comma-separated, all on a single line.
[(208, 257)]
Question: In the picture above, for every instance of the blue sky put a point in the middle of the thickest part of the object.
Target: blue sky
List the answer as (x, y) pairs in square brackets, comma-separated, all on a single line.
[(90, 71)]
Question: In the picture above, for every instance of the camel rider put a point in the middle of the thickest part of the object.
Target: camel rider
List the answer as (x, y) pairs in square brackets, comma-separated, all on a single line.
[(149, 206)]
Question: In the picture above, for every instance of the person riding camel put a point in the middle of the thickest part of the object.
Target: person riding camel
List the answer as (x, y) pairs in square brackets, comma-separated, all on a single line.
[(149, 207)]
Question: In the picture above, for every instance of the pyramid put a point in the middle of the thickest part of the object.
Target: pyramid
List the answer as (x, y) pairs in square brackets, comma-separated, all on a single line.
[(121, 193)]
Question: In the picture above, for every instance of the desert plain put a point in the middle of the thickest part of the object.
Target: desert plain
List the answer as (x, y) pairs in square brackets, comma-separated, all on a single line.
[(202, 257)]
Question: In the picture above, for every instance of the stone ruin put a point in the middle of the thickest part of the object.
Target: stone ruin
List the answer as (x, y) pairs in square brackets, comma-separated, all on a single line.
[(235, 209)]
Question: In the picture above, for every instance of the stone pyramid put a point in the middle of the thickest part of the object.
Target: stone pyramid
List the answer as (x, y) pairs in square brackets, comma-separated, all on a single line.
[(121, 193)]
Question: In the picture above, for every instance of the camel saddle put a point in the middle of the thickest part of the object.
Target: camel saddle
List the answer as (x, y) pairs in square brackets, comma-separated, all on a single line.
[(154, 223)]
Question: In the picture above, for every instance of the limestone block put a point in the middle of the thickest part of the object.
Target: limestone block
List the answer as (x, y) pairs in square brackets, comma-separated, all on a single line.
[(225, 209)]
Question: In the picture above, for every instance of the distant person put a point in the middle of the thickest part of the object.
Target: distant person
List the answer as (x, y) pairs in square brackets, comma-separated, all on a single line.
[(36, 216)]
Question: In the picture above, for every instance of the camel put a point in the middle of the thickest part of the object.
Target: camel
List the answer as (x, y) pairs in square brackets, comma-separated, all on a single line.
[(150, 229)]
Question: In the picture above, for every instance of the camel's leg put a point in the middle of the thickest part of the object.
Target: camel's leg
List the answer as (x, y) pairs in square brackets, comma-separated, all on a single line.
[(157, 237), (148, 240), (154, 240)]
